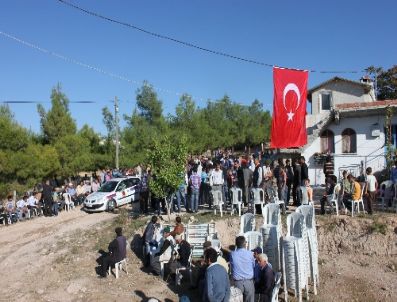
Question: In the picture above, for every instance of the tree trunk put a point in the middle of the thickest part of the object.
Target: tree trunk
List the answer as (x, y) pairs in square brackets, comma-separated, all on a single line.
[(168, 206)]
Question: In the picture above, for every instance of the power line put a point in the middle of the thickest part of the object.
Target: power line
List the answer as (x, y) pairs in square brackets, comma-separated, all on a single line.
[(88, 66), (191, 45), (45, 102), (93, 68)]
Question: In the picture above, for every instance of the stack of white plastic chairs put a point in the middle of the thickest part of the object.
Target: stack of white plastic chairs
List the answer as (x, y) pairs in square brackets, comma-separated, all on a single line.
[(295, 256), (247, 223), (271, 231), (257, 198), (309, 217)]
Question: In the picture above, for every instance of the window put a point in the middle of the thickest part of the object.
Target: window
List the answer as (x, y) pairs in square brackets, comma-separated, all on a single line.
[(327, 141), (349, 141), (325, 101)]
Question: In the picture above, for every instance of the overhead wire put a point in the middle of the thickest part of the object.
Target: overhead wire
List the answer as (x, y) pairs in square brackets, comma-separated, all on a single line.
[(195, 46), (88, 66), (98, 69)]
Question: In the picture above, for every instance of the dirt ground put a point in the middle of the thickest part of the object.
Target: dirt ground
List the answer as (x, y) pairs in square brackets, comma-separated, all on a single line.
[(54, 259)]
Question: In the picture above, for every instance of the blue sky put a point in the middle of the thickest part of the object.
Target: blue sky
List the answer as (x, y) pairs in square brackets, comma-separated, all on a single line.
[(320, 35)]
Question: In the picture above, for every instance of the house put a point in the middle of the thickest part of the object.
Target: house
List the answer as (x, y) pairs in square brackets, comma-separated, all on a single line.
[(347, 123)]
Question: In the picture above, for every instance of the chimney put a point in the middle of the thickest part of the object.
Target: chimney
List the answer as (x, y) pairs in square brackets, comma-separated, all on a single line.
[(371, 90)]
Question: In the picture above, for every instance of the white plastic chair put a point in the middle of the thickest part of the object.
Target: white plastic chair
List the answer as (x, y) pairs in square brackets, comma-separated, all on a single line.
[(237, 200), (333, 199), (247, 223), (257, 197), (273, 196), (358, 202), (118, 266), (271, 231), (384, 187), (68, 201), (276, 288), (254, 239), (217, 197)]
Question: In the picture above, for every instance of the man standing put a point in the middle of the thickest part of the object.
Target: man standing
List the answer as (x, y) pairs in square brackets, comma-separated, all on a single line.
[(248, 175), (304, 171), (194, 181), (117, 251), (290, 179), (47, 198), (370, 189), (296, 182), (217, 179), (328, 167), (217, 286), (144, 193), (242, 264), (258, 174), (265, 284)]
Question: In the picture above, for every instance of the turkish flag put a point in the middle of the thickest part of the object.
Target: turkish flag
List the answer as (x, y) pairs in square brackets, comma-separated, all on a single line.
[(289, 108)]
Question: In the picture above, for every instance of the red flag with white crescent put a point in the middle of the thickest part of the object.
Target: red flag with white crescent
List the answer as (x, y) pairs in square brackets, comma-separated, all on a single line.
[(289, 108)]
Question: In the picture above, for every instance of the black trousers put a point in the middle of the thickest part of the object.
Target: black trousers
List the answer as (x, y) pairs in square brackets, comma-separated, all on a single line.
[(107, 261), (144, 201), (295, 194)]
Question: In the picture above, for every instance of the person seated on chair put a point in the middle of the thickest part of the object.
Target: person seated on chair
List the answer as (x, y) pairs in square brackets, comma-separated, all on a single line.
[(164, 253), (117, 252), (33, 204), (356, 192), (182, 254), (179, 228), (329, 191), (3, 214), (149, 238), (10, 209), (265, 284), (22, 207)]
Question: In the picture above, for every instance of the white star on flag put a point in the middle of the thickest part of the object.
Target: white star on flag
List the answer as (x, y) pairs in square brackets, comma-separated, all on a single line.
[(290, 115)]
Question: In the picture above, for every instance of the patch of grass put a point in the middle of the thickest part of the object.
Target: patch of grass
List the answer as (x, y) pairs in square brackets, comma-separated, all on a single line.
[(378, 227)]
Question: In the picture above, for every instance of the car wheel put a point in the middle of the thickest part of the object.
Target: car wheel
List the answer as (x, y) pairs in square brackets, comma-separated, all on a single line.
[(111, 205)]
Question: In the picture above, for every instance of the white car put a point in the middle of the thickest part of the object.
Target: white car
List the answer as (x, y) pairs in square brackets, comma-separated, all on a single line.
[(112, 194)]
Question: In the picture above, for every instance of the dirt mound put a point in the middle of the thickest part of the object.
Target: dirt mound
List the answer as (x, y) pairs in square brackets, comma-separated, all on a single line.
[(366, 236)]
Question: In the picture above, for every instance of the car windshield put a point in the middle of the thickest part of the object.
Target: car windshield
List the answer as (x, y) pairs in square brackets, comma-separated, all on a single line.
[(108, 186)]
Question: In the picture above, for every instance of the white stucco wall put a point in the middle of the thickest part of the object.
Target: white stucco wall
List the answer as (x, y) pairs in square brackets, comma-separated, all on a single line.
[(341, 93), (370, 150)]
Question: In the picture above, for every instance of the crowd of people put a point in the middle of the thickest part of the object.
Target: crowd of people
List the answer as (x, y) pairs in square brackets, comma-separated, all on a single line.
[(204, 176), (47, 198), (216, 273)]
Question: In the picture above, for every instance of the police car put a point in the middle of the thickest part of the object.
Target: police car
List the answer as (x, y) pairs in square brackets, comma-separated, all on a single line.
[(112, 194)]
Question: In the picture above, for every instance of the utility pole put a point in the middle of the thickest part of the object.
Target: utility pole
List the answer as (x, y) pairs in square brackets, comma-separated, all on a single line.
[(116, 121)]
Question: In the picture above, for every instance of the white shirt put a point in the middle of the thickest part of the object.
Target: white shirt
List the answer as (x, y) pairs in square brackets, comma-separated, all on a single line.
[(95, 186), (371, 181), (216, 178), (32, 201), (20, 203), (252, 166)]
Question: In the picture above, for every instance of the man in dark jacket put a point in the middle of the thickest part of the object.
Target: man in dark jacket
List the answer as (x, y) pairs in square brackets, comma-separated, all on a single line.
[(296, 183), (304, 170), (47, 198), (182, 258), (248, 174), (264, 285), (117, 251)]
